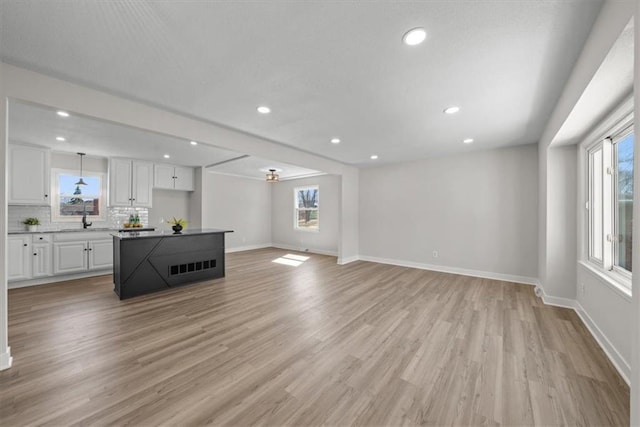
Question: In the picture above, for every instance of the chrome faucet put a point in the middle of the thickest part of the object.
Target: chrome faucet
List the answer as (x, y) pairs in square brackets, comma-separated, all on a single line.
[(85, 224)]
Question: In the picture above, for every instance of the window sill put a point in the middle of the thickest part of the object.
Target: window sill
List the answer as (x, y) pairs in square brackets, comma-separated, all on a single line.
[(304, 230), (621, 285)]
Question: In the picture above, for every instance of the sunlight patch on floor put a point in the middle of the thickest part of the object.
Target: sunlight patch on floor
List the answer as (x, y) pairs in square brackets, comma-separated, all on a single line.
[(291, 259)]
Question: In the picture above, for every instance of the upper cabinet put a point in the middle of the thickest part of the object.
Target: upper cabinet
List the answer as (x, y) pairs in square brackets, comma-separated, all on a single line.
[(29, 175), (130, 183), (170, 177)]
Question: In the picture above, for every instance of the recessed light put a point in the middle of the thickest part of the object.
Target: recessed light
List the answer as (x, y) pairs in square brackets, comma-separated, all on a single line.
[(414, 36), (374, 157), (468, 141), (193, 143), (60, 138), (335, 140), (63, 113), (263, 109), (166, 156), (451, 110)]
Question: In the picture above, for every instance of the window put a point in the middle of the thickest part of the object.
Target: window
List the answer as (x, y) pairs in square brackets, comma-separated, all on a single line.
[(71, 201), (610, 201), (306, 212)]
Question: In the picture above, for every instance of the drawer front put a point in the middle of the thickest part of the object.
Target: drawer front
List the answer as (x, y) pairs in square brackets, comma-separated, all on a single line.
[(42, 238), (81, 236)]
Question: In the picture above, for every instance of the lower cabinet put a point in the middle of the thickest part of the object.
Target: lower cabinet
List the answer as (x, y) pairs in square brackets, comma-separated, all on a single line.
[(80, 256), (41, 263), (33, 256), (69, 257), (100, 254), (19, 261)]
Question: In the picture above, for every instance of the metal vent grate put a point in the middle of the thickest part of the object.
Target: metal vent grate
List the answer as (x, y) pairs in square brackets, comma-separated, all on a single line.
[(191, 267)]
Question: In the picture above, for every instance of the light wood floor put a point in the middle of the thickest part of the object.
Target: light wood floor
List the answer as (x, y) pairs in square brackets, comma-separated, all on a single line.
[(361, 344)]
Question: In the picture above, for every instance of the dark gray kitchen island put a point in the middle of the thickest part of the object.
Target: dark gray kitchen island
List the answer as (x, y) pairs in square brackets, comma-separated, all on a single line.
[(152, 261)]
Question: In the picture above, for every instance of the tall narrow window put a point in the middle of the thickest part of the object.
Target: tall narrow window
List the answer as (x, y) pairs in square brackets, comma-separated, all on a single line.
[(610, 202), (595, 205), (306, 210), (623, 158)]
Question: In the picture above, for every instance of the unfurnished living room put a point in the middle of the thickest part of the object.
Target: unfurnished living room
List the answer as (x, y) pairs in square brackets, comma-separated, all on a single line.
[(373, 213)]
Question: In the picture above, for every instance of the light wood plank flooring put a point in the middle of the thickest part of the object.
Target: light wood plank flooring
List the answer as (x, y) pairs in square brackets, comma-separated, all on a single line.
[(271, 344)]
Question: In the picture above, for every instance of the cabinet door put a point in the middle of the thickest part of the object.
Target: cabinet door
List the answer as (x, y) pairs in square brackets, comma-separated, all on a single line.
[(163, 176), (100, 254), (142, 183), (18, 262), (41, 261), (28, 175), (120, 182), (69, 257), (184, 178)]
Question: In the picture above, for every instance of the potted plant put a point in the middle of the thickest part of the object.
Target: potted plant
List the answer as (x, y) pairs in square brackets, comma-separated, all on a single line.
[(177, 224), (31, 223)]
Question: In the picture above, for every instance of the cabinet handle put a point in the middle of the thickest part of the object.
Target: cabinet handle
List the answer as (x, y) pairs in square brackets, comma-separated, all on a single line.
[(85, 249), (40, 238), (25, 245), (90, 249), (46, 195), (35, 254)]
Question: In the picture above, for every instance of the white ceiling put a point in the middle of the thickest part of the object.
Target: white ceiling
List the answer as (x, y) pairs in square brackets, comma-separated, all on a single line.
[(325, 68), (609, 86), (39, 125)]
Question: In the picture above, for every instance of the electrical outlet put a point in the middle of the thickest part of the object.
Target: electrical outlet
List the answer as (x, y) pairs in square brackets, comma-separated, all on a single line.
[(435, 254)]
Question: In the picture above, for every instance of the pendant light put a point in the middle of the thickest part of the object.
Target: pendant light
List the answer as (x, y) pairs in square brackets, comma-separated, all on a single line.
[(80, 181), (272, 176)]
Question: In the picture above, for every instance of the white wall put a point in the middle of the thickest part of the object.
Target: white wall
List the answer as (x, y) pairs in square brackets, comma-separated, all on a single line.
[(282, 215), (167, 204), (608, 313), (239, 204), (478, 210), (561, 250)]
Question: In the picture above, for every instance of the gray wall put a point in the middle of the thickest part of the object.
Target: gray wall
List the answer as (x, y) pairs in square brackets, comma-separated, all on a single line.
[(239, 204), (561, 243), (282, 219), (167, 204), (478, 210)]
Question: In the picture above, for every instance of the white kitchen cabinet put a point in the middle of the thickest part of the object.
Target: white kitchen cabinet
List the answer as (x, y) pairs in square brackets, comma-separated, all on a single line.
[(100, 254), (41, 260), (81, 252), (19, 259), (28, 175), (170, 177), (130, 183), (70, 257)]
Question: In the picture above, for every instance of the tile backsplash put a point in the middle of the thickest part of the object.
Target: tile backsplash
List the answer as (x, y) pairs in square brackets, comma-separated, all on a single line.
[(116, 216)]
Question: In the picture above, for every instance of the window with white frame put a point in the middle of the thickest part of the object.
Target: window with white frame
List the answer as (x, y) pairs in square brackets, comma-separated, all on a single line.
[(307, 208), (72, 201), (610, 201)]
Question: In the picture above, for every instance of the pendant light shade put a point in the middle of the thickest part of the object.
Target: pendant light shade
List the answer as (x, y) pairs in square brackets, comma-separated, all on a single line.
[(272, 176), (81, 181)]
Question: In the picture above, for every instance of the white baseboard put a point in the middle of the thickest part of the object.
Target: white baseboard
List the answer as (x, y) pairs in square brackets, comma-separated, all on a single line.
[(5, 359), (298, 249), (54, 279), (453, 270), (347, 260), (247, 248), (621, 365), (555, 301)]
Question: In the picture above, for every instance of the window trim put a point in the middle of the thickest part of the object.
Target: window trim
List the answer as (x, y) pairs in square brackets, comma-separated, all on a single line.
[(296, 208), (55, 202)]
